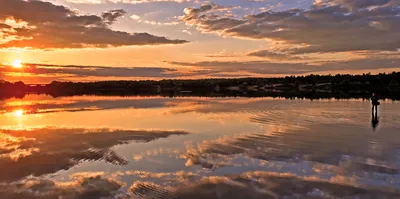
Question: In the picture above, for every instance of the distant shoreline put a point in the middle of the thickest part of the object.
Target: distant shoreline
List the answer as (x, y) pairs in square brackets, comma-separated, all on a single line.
[(387, 86)]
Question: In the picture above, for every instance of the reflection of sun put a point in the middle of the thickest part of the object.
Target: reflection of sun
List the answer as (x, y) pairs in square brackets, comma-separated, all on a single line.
[(17, 63), (19, 113)]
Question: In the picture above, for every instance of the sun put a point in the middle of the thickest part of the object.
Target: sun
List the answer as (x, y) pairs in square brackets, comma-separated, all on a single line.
[(18, 113), (17, 63)]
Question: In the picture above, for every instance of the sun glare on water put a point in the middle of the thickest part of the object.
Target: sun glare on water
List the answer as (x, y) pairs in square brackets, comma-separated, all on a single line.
[(17, 63)]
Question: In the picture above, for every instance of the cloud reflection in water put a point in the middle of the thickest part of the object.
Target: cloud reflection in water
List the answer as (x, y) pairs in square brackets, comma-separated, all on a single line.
[(42, 151), (237, 148)]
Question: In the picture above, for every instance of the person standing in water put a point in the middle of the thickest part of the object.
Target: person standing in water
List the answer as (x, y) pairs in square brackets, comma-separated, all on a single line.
[(375, 103)]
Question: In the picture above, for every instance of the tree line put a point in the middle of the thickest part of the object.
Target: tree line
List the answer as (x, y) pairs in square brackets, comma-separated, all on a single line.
[(310, 86)]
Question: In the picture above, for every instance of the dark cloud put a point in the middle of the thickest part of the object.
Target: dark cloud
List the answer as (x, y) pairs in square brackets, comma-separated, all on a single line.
[(50, 26), (48, 150), (112, 15), (267, 67), (261, 67), (98, 71), (195, 16), (206, 68), (275, 56), (78, 73), (330, 26)]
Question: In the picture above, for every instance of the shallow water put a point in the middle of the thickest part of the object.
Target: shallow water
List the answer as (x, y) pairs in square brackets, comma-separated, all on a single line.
[(154, 147)]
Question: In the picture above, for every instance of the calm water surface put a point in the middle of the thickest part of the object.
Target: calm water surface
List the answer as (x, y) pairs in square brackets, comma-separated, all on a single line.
[(154, 147)]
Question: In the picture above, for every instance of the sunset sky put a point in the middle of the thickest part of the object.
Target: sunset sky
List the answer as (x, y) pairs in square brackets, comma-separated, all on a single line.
[(88, 40)]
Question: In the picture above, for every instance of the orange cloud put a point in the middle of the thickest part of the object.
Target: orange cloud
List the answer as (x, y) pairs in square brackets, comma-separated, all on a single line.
[(43, 25)]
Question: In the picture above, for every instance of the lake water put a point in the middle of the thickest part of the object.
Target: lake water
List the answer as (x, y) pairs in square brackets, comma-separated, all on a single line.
[(193, 147)]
